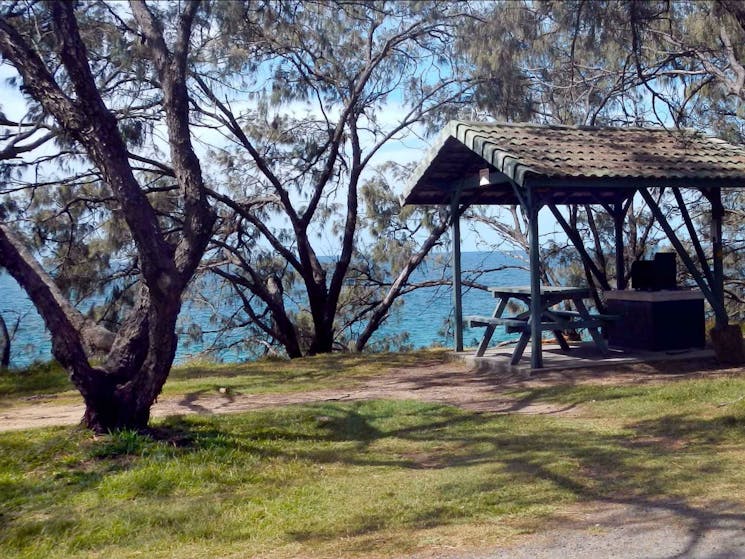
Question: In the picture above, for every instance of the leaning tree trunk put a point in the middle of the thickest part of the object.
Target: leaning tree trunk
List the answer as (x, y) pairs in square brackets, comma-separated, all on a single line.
[(118, 393), (284, 329), (4, 344), (380, 312)]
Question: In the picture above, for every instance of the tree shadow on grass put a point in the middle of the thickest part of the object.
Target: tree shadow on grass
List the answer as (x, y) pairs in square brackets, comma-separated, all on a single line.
[(499, 462), (637, 470), (190, 400), (634, 468), (317, 367)]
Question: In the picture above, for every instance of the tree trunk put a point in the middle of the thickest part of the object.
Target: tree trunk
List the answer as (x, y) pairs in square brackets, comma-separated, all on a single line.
[(314, 278), (119, 393), (4, 345), (284, 329), (123, 397), (323, 337), (380, 312), (288, 336)]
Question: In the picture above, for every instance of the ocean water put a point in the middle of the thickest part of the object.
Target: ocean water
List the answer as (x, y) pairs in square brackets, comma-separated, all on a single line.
[(425, 316)]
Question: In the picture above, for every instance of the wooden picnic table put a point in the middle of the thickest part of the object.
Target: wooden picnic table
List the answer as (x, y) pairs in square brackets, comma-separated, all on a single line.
[(554, 320)]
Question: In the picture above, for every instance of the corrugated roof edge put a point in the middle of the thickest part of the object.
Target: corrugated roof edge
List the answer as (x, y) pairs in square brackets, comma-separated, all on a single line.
[(573, 127), (697, 134), (429, 156), (499, 159), (452, 130)]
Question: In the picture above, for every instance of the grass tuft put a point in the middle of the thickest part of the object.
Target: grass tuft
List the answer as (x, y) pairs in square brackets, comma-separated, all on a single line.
[(121, 443)]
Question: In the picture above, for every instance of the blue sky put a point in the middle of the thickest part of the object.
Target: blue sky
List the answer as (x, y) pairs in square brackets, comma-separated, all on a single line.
[(406, 148)]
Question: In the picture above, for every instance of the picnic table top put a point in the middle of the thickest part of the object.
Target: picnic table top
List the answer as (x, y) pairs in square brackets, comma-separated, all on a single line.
[(545, 289)]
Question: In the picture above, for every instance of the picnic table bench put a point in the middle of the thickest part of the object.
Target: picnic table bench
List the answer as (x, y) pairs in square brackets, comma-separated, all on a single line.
[(553, 320)]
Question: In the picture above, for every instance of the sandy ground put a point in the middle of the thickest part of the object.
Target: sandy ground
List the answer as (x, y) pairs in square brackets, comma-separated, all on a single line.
[(624, 529), (449, 383), (627, 531)]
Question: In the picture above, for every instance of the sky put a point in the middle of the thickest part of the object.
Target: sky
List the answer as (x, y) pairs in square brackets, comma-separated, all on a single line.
[(408, 147)]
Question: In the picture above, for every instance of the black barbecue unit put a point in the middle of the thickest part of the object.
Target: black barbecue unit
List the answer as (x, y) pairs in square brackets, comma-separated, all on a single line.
[(656, 315)]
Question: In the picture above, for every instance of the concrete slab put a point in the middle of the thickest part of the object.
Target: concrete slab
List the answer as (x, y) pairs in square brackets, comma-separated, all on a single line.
[(582, 355)]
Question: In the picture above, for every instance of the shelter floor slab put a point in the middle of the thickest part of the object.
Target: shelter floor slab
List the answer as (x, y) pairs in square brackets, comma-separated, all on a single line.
[(582, 355)]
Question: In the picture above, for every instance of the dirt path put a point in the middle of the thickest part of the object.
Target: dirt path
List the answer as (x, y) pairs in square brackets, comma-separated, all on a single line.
[(446, 383), (449, 383), (627, 531)]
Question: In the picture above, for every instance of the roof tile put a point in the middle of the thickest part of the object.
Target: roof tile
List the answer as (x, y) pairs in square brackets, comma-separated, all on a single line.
[(523, 151)]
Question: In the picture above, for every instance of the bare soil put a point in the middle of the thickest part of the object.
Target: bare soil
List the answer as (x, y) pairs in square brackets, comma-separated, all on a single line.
[(449, 383), (671, 530)]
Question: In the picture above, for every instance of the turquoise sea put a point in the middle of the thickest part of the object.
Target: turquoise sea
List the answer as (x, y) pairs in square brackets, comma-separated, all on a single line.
[(425, 315)]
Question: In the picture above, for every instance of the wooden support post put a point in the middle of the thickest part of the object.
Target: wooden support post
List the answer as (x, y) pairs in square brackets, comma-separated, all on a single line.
[(619, 216), (717, 215), (536, 348), (716, 303), (457, 285), (574, 237), (693, 234)]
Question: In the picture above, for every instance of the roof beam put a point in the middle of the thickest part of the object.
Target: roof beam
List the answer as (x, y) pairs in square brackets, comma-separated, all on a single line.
[(716, 303), (576, 240)]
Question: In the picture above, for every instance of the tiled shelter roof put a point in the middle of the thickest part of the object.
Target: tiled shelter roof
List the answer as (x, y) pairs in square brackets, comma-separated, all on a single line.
[(567, 164)]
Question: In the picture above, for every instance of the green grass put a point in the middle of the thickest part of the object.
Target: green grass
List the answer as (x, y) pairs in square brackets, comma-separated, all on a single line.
[(338, 370), (38, 380), (50, 381), (369, 478)]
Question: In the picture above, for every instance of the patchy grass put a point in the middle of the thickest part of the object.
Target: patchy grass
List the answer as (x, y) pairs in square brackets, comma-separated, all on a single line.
[(337, 370), (703, 397), (49, 381), (369, 478), (37, 381)]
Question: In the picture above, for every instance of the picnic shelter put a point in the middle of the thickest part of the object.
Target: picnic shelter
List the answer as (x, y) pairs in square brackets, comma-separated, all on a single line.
[(474, 163)]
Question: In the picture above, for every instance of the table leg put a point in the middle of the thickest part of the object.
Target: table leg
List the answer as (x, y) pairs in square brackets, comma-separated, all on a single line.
[(500, 308), (488, 333), (558, 334), (522, 343), (561, 340), (594, 331)]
